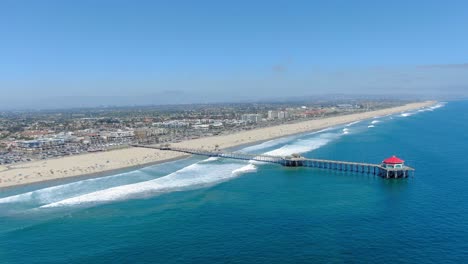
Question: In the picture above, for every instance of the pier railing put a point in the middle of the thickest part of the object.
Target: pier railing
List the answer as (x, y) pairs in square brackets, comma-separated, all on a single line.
[(298, 161)]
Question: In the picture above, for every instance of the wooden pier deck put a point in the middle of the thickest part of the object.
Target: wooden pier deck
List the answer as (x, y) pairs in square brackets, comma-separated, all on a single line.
[(298, 161)]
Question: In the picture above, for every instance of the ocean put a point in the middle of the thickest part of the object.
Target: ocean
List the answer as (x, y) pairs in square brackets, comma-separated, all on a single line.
[(209, 210)]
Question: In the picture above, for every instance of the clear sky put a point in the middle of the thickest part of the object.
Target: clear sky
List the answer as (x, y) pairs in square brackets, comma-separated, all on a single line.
[(124, 51)]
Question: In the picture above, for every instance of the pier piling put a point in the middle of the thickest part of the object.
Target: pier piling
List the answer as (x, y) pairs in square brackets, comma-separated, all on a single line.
[(382, 170)]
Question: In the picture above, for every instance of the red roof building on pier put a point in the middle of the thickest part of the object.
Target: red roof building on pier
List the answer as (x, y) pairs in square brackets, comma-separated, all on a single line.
[(393, 162)]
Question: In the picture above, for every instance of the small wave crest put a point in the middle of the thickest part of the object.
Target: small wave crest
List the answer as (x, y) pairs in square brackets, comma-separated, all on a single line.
[(210, 159), (434, 107), (191, 177), (352, 123), (56, 193), (425, 109), (266, 144), (304, 145), (406, 114), (246, 169)]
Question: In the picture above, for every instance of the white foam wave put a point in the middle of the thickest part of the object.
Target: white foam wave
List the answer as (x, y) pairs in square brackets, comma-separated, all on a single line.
[(210, 159), (439, 105), (65, 191), (353, 123), (425, 109), (406, 114), (283, 140), (321, 131), (266, 144), (434, 107), (190, 177), (370, 126), (304, 145), (56, 193), (246, 169), (375, 121)]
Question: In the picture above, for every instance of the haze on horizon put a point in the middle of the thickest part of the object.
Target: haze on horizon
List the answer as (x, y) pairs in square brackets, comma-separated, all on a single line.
[(88, 53)]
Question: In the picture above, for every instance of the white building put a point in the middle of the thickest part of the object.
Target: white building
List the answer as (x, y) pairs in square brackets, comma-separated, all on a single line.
[(172, 124), (283, 115), (251, 118), (272, 114)]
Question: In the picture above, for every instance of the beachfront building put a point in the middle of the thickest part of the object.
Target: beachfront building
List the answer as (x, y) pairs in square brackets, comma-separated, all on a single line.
[(272, 115), (251, 118), (172, 124), (38, 145), (283, 115), (119, 136), (393, 163)]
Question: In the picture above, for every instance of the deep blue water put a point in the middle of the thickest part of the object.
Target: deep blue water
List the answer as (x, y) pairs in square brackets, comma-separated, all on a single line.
[(202, 211)]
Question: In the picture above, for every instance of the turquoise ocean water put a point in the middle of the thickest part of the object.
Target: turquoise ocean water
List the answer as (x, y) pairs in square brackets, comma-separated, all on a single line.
[(202, 210)]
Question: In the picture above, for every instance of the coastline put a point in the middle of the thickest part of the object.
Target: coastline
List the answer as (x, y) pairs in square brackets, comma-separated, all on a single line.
[(98, 174), (92, 165)]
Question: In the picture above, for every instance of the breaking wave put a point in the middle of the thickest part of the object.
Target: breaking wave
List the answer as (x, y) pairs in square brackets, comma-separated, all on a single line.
[(430, 108), (56, 193), (246, 169), (282, 141), (304, 145), (210, 159), (191, 177), (434, 107), (353, 123), (406, 114), (267, 144)]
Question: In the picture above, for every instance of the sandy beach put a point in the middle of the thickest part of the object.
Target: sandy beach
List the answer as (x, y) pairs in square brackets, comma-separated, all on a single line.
[(96, 163)]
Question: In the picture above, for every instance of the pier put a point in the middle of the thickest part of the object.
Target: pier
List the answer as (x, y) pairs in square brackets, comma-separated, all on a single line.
[(390, 168)]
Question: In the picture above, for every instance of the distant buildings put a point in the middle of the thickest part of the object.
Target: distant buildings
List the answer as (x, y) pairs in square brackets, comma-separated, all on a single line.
[(272, 115), (251, 118), (283, 115), (347, 107), (39, 144), (149, 135), (172, 124), (118, 136)]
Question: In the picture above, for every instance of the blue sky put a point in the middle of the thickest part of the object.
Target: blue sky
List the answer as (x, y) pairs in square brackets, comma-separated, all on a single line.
[(229, 50)]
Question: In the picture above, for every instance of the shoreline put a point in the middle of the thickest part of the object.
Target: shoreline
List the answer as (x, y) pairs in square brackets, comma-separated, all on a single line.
[(94, 165), (98, 174)]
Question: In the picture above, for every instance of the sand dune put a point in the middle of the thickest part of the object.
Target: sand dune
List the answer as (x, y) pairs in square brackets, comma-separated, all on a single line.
[(94, 163)]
